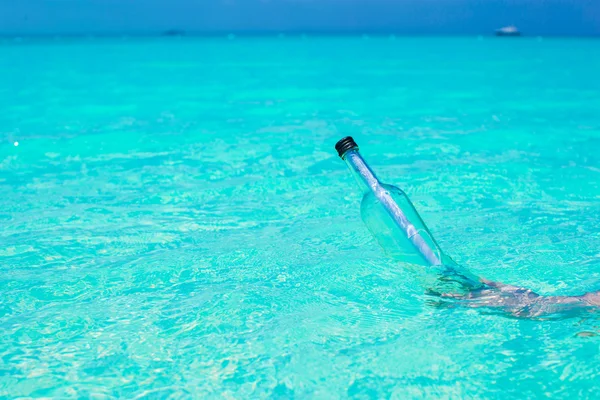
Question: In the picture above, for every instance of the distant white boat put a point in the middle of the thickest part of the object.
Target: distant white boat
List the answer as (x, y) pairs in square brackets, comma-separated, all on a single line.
[(508, 31)]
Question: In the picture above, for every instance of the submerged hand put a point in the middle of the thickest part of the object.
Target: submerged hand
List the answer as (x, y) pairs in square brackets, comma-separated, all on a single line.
[(524, 303)]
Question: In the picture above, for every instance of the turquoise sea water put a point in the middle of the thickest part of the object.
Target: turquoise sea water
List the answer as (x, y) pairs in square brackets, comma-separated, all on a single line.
[(175, 223)]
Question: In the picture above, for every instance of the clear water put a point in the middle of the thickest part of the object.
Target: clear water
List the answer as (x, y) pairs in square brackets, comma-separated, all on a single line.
[(175, 221)]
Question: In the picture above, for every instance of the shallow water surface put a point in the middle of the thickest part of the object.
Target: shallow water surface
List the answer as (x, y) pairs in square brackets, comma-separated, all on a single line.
[(175, 221)]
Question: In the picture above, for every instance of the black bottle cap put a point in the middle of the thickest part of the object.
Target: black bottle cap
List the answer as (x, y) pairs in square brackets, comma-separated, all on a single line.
[(344, 145)]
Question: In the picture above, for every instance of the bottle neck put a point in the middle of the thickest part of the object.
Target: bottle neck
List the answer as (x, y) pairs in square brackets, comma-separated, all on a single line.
[(365, 177)]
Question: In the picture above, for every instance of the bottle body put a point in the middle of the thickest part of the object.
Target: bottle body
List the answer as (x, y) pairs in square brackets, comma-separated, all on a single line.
[(396, 241), (391, 216)]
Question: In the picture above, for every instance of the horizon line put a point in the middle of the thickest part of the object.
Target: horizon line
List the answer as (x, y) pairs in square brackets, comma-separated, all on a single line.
[(271, 32)]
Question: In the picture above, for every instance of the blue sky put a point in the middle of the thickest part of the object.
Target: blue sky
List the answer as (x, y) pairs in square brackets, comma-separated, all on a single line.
[(536, 17)]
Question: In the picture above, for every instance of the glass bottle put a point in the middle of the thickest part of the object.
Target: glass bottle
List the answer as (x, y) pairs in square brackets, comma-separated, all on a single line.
[(398, 228)]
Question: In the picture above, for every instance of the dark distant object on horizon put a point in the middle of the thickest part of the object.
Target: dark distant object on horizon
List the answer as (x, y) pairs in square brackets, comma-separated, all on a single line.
[(508, 31), (174, 32)]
